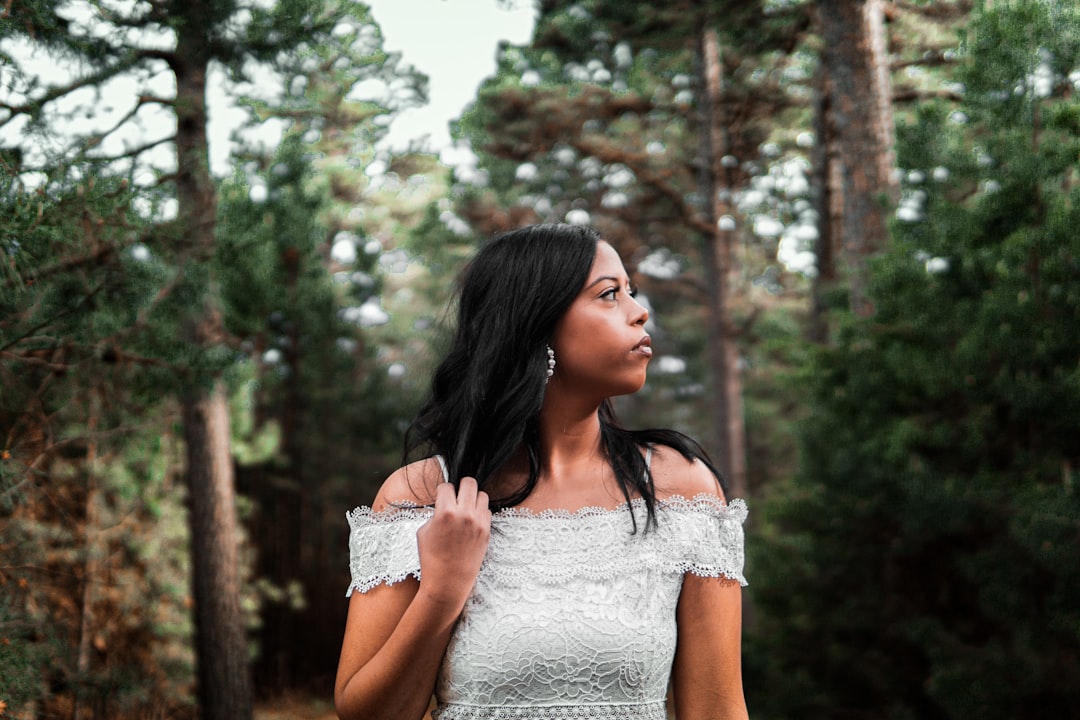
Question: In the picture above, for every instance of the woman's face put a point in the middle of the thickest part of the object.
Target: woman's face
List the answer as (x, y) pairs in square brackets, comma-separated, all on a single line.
[(600, 344)]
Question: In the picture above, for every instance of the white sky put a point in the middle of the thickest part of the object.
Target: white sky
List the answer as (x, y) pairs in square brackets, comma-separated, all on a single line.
[(452, 42)]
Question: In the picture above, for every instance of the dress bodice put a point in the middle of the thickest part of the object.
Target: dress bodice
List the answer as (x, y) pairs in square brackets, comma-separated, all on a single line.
[(573, 613)]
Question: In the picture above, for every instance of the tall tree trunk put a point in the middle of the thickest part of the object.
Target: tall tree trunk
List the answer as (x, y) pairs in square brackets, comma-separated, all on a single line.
[(283, 645), (224, 688), (860, 120), (713, 176), (91, 569), (224, 685), (827, 191)]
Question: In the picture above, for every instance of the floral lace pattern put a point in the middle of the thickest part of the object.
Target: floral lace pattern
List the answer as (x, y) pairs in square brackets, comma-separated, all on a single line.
[(573, 613)]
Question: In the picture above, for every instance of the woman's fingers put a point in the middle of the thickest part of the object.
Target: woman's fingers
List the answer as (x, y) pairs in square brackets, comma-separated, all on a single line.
[(466, 494), (452, 544), (456, 511), (444, 496)]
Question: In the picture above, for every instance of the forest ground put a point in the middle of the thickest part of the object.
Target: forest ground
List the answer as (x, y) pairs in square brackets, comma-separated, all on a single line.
[(295, 707)]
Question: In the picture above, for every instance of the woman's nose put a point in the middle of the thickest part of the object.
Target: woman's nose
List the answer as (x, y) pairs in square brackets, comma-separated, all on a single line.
[(642, 314)]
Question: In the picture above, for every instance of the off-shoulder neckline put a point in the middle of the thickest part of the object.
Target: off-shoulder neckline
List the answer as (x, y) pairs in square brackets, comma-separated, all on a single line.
[(700, 502)]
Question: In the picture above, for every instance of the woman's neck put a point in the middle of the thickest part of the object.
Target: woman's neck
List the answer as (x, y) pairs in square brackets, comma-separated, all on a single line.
[(569, 443), (574, 470)]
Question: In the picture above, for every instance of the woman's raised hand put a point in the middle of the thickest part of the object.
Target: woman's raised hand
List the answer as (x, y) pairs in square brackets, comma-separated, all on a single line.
[(453, 542)]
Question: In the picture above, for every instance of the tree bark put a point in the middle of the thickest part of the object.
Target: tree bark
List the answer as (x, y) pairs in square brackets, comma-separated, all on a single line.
[(224, 684), (224, 688), (826, 184), (91, 568), (859, 107), (715, 181)]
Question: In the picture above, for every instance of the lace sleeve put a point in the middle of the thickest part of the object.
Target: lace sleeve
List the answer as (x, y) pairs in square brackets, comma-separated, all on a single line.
[(382, 546), (709, 536)]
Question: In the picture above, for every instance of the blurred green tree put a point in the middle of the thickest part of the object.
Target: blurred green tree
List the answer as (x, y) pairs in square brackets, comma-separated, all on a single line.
[(314, 265), (923, 566), (123, 108), (95, 568), (855, 124), (875, 60)]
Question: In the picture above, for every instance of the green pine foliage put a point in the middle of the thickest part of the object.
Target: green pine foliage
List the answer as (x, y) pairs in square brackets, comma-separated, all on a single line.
[(288, 313), (95, 283), (314, 283), (91, 506), (926, 563)]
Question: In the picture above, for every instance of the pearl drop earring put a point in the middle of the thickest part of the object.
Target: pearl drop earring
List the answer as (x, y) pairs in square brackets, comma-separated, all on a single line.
[(551, 364)]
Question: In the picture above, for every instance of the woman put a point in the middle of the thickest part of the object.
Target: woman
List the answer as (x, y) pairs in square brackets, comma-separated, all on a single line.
[(611, 563)]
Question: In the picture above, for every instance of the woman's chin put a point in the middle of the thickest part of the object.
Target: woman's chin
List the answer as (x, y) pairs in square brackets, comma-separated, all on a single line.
[(631, 387)]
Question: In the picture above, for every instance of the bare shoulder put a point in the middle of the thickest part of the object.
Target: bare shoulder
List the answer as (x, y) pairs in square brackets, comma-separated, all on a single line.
[(673, 474), (414, 483)]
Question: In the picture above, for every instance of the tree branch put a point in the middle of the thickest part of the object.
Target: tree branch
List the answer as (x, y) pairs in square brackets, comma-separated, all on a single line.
[(35, 361), (147, 99), (143, 318), (154, 54), (64, 265), (904, 95), (60, 91), (138, 150), (48, 321), (931, 58), (607, 153), (98, 138), (156, 14), (944, 11)]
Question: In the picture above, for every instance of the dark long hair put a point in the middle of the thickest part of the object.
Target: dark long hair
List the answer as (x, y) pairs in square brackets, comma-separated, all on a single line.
[(487, 392)]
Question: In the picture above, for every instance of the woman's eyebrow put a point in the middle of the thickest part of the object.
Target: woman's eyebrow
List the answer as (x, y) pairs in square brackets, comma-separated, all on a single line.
[(601, 279)]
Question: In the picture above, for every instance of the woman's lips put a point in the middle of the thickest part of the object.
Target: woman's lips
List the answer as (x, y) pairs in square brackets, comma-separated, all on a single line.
[(644, 347)]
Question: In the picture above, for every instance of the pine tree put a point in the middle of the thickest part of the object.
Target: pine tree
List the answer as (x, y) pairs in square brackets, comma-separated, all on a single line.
[(856, 130), (187, 44), (874, 60), (926, 567), (91, 513), (312, 254)]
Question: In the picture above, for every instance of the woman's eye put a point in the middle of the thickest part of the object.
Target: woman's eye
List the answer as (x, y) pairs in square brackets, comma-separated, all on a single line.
[(611, 293)]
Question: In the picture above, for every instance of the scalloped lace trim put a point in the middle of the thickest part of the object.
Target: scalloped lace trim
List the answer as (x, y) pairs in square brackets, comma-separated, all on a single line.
[(702, 536), (362, 586), (364, 515), (702, 502)]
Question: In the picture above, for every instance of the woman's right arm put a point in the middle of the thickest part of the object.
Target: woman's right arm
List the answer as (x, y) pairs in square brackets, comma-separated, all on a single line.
[(396, 635)]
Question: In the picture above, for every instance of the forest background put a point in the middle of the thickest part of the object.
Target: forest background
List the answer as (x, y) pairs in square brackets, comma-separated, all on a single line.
[(854, 222)]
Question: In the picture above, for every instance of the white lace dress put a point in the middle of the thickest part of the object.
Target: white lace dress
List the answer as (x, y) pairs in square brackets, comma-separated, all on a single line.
[(573, 614)]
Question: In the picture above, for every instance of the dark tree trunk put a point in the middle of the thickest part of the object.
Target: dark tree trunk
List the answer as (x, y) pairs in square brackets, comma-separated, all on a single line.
[(224, 688), (283, 659), (827, 191), (859, 107), (715, 182), (224, 685), (91, 580)]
